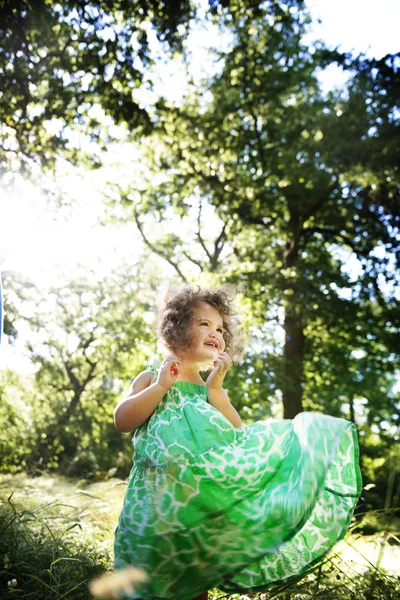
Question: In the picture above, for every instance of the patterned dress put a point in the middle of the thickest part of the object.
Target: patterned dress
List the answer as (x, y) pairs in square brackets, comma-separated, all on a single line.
[(208, 505)]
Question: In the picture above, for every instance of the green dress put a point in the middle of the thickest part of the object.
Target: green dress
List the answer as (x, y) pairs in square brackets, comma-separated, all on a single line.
[(209, 505)]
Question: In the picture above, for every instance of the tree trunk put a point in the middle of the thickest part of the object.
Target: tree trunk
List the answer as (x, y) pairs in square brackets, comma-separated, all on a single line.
[(352, 412), (55, 431), (293, 355)]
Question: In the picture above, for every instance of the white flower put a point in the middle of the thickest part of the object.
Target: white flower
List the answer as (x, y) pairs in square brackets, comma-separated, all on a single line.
[(12, 584)]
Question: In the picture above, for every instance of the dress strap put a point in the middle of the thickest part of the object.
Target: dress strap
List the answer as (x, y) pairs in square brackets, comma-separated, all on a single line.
[(152, 367)]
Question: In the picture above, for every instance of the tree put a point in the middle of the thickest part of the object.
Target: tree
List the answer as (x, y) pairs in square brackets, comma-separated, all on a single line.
[(70, 70), (59, 61), (88, 339), (18, 292), (296, 178)]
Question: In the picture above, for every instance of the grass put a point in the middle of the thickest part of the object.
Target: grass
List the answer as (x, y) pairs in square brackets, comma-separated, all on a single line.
[(51, 549), (57, 534)]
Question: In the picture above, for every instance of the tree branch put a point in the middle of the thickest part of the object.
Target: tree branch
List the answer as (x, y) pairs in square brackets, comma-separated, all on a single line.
[(195, 262), (156, 250), (54, 54), (218, 247), (331, 233), (199, 237)]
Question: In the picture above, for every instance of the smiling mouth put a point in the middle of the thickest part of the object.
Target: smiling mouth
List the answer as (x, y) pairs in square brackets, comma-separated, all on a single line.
[(211, 345)]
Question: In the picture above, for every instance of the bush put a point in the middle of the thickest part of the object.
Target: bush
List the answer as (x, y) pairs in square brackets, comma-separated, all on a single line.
[(83, 465)]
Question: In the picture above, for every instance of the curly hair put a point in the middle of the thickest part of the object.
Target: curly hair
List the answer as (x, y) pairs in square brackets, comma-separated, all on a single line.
[(176, 311)]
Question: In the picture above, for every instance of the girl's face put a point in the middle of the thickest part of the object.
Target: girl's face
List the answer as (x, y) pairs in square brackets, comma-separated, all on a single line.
[(208, 331)]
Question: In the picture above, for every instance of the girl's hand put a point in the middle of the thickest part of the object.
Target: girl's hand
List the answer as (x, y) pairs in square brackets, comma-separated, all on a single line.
[(221, 365), (169, 371)]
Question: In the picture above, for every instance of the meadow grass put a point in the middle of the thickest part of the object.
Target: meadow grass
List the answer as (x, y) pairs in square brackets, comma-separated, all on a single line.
[(56, 535)]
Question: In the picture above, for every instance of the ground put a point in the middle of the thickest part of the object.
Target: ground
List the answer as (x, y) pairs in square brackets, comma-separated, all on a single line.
[(78, 510)]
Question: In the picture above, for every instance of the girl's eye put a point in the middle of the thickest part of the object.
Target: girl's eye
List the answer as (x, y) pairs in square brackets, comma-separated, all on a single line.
[(220, 330)]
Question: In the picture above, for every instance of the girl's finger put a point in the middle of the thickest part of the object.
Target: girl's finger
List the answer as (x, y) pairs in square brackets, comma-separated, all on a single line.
[(226, 360), (172, 358), (225, 356)]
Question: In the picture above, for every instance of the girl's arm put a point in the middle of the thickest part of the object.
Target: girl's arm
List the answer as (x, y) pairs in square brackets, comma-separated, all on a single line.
[(219, 399), (139, 403), (144, 396)]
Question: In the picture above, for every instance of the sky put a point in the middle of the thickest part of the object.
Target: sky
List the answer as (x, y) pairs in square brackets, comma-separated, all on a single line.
[(358, 26), (370, 26), (36, 243)]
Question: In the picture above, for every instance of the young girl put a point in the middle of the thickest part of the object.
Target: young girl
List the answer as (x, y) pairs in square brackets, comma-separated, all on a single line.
[(211, 503)]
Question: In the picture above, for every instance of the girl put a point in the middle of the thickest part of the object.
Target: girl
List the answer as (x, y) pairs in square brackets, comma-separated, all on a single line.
[(209, 502)]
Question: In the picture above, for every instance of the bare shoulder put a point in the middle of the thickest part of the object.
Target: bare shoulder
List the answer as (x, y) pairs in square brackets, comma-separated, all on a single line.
[(142, 381)]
